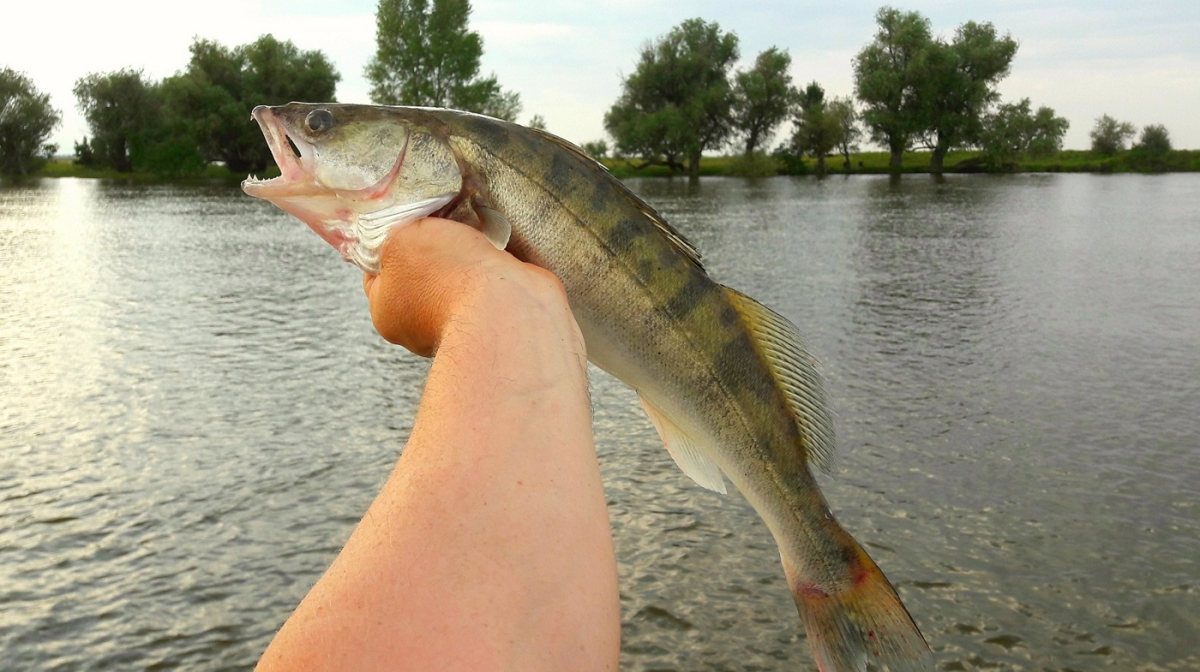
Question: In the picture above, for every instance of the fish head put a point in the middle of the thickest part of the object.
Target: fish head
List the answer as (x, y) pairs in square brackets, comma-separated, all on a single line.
[(353, 172)]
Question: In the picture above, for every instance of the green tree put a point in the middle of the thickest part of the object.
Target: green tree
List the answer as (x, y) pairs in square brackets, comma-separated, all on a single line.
[(817, 131), (597, 149), (1013, 130), (84, 155), (678, 101), (958, 85), (426, 55), (1109, 135), (537, 121), (1048, 133), (26, 121), (208, 105), (849, 132), (1155, 140), (888, 76), (122, 110), (763, 96)]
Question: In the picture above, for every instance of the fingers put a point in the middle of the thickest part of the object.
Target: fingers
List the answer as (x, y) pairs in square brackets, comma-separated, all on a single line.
[(426, 270)]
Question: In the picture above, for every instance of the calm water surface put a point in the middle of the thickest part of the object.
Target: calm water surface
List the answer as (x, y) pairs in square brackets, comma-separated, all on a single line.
[(194, 412)]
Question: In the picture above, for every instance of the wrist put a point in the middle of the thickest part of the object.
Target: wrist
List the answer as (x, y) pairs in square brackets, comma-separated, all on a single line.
[(516, 319)]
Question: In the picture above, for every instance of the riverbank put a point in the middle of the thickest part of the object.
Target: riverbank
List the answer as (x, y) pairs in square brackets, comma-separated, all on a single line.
[(862, 163), (873, 163), (212, 172)]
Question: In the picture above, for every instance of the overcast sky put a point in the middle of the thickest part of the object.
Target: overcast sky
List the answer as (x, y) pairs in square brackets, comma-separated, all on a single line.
[(1136, 61)]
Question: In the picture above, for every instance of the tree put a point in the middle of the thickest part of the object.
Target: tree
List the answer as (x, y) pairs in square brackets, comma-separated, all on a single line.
[(888, 74), (1109, 135), (122, 110), (677, 103), (1013, 130), (537, 121), (958, 84), (843, 112), (1048, 133), (1155, 140), (208, 105), (426, 56), (597, 149), (26, 121), (817, 131), (763, 97)]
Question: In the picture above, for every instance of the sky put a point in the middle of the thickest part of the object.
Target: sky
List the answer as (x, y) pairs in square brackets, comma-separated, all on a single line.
[(1136, 61)]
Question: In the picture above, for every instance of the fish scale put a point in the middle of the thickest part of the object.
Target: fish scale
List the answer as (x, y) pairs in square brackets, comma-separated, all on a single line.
[(726, 382)]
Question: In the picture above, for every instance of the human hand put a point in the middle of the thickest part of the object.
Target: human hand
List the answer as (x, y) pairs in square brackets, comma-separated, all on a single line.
[(434, 270)]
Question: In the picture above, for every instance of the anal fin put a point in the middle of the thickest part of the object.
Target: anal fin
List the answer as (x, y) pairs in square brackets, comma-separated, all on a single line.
[(698, 466)]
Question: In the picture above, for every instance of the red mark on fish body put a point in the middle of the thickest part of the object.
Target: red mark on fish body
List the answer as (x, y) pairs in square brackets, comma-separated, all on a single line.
[(811, 590)]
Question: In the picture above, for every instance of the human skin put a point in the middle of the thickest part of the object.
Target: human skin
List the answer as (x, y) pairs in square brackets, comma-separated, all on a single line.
[(489, 546)]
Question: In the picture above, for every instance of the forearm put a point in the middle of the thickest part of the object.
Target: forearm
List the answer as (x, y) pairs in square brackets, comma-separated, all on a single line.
[(488, 547)]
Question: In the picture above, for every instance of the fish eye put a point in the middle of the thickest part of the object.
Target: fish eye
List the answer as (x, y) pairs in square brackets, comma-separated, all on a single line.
[(319, 121)]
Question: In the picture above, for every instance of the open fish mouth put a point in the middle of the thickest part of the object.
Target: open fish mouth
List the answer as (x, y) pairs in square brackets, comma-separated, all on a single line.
[(295, 156), (350, 201)]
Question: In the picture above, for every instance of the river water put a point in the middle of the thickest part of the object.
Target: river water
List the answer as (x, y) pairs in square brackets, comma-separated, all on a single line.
[(194, 412)]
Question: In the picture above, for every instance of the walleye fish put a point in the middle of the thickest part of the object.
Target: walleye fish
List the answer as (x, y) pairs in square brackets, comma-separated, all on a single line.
[(724, 379)]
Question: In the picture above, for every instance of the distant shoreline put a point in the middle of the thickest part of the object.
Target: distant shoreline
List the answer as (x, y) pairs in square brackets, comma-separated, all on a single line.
[(876, 163), (862, 163)]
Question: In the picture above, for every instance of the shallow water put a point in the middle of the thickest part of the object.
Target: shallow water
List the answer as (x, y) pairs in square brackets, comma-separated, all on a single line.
[(194, 411)]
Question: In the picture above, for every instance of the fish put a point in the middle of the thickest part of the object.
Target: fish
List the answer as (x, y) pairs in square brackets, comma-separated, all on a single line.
[(727, 382)]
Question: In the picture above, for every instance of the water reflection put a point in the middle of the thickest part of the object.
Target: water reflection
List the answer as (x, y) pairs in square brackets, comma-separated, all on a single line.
[(194, 411)]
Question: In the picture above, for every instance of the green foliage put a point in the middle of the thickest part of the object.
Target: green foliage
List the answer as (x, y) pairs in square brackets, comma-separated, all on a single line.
[(846, 117), (1048, 133), (597, 149), (208, 105), (678, 101), (84, 155), (123, 112), (538, 122), (26, 121), (762, 97), (1155, 140), (1012, 130), (425, 55), (889, 74), (1109, 135), (754, 164), (959, 84), (817, 131)]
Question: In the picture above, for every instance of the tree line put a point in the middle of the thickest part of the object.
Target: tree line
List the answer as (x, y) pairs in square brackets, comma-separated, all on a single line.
[(178, 125), (912, 90)]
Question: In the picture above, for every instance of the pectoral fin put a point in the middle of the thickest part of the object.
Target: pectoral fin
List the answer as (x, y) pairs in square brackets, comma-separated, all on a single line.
[(494, 225), (373, 227), (687, 455)]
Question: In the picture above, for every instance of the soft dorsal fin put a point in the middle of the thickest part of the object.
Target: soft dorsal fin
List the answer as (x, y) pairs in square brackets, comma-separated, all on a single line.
[(682, 244), (796, 372), (684, 450)]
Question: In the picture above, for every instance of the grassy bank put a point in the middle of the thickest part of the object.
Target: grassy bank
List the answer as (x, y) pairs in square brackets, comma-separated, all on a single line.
[(862, 163), (213, 172), (872, 163)]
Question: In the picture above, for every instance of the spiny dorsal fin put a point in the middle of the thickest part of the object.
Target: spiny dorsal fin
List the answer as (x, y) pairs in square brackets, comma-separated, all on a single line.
[(682, 244), (796, 372), (684, 450)]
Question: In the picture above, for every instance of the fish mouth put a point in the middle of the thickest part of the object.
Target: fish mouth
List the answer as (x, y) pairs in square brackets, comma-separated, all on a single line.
[(296, 173)]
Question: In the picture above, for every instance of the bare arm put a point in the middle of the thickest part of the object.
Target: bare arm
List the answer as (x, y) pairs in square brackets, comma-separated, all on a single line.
[(489, 547)]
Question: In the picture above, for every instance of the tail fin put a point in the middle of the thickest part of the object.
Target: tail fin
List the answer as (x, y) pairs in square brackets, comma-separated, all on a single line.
[(864, 624)]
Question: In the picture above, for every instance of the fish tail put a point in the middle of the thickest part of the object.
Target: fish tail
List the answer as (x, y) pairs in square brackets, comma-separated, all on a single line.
[(866, 623)]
